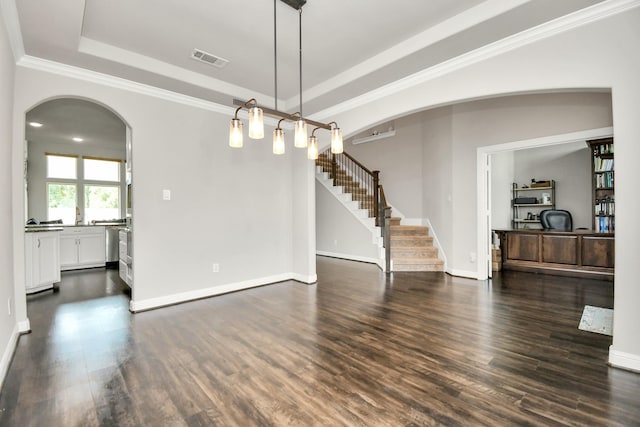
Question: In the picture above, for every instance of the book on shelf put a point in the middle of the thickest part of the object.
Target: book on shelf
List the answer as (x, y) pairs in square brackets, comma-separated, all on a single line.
[(604, 180), (602, 165), (601, 149), (605, 224)]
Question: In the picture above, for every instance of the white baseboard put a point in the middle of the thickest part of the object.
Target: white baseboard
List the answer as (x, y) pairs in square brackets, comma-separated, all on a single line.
[(463, 273), (24, 327), (349, 257), (8, 354), (628, 361), (305, 279), (151, 303)]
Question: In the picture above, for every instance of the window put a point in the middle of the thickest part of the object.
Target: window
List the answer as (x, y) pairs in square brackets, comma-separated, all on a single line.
[(101, 202), (101, 169), (83, 191), (61, 202), (64, 167)]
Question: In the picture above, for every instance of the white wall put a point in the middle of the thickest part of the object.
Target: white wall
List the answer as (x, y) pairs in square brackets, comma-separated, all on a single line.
[(339, 233), (588, 53), (570, 166), (399, 160), (231, 207), (8, 325), (501, 184), (37, 168)]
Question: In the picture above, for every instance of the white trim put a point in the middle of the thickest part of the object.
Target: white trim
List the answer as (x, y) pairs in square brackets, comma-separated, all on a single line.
[(24, 327), (462, 273), (565, 23), (311, 279), (151, 303), (619, 359), (12, 23), (464, 20), (152, 65), (441, 254), (350, 257), (8, 354), (481, 169)]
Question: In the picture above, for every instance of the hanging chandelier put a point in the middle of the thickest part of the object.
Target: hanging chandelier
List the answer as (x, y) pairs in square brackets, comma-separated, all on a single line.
[(257, 112)]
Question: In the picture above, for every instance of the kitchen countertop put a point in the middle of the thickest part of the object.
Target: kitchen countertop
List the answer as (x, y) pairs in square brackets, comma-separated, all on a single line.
[(38, 228)]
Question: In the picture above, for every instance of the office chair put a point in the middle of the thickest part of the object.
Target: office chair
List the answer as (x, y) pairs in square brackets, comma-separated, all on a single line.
[(556, 219)]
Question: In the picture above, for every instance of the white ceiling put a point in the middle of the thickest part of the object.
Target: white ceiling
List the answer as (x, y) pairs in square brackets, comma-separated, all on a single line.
[(350, 47)]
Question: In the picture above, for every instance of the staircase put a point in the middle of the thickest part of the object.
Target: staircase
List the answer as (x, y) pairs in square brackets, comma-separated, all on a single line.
[(411, 246)]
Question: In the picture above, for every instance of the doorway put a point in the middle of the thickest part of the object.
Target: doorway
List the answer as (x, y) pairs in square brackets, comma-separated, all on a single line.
[(484, 178)]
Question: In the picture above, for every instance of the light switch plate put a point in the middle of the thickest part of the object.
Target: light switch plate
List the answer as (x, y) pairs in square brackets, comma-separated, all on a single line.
[(166, 194)]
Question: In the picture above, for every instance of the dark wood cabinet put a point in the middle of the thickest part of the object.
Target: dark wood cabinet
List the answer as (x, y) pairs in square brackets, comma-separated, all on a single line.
[(579, 253)]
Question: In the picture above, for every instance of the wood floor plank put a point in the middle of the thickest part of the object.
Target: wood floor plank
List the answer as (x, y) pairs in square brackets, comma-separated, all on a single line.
[(359, 348)]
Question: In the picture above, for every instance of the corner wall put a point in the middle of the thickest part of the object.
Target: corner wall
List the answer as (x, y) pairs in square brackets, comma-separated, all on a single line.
[(8, 323)]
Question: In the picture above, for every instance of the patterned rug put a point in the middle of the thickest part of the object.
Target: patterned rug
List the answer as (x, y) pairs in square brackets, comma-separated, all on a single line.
[(597, 319)]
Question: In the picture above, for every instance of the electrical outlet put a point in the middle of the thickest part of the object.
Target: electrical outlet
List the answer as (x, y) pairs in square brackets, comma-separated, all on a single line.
[(335, 243), (9, 306), (216, 267), (472, 256)]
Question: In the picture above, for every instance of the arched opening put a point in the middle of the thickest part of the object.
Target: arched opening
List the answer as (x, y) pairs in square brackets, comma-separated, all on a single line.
[(77, 180)]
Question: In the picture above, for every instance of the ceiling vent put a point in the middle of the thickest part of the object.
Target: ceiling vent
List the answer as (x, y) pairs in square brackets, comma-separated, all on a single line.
[(207, 58)]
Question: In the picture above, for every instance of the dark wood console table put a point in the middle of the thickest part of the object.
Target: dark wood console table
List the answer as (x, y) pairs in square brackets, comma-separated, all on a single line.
[(580, 253)]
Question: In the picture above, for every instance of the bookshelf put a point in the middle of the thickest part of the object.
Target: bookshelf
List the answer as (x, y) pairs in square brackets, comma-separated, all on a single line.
[(602, 185), (528, 201)]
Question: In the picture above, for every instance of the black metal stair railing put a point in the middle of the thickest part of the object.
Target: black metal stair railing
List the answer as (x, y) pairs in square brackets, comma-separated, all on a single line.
[(363, 184)]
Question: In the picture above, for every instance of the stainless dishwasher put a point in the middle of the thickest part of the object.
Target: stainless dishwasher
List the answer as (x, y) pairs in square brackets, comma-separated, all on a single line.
[(112, 228)]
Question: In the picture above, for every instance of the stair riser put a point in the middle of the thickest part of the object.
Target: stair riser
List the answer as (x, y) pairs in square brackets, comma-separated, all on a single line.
[(401, 232), (433, 268), (409, 242), (425, 252)]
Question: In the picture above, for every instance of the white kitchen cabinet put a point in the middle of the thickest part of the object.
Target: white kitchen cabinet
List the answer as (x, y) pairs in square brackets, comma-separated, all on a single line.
[(125, 264), (42, 258), (82, 247)]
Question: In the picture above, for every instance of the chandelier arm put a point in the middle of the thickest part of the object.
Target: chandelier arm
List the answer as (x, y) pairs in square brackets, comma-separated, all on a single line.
[(279, 114)]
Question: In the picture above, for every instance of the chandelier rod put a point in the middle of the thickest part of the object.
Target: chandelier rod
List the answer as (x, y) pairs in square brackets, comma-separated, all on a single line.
[(275, 53), (300, 57)]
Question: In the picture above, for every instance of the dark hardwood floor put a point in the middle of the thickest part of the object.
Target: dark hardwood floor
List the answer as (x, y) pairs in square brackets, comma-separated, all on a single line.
[(358, 348)]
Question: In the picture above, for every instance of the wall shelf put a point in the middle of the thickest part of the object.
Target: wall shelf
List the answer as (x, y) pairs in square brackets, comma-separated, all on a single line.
[(370, 138)]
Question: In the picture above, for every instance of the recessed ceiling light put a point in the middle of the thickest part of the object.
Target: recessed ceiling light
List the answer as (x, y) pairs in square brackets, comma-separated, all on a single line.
[(77, 139), (35, 124)]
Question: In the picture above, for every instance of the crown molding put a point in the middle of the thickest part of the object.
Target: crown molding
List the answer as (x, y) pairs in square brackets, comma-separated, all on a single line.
[(9, 12), (83, 74), (469, 18), (122, 56), (560, 25)]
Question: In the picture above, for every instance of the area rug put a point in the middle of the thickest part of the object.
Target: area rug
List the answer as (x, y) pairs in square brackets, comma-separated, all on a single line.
[(597, 319)]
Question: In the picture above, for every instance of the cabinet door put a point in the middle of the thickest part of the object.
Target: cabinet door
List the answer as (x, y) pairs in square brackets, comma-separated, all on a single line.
[(49, 261), (91, 249), (68, 251)]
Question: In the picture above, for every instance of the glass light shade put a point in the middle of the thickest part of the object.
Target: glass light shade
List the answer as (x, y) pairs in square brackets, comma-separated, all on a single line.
[(300, 139), (312, 151), (278, 141), (336, 141), (235, 133), (256, 123)]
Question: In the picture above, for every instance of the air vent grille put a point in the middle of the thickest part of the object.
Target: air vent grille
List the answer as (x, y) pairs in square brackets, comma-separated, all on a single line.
[(207, 58)]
